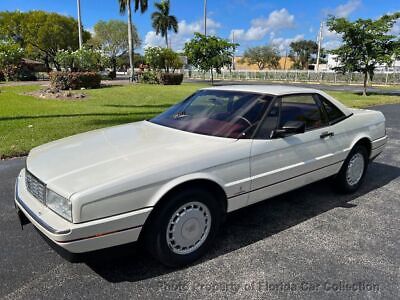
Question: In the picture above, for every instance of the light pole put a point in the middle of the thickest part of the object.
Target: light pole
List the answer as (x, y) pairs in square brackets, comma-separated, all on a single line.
[(78, 2), (319, 46), (234, 50), (205, 17)]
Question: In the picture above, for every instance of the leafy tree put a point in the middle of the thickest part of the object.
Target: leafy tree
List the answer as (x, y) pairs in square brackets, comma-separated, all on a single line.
[(162, 21), (123, 61), (262, 56), (172, 60), (302, 52), (10, 58), (40, 33), (209, 52), (82, 60), (152, 57), (366, 44), (111, 38), (125, 6), (162, 59)]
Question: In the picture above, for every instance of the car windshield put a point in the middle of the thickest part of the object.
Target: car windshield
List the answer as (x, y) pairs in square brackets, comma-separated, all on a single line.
[(219, 113)]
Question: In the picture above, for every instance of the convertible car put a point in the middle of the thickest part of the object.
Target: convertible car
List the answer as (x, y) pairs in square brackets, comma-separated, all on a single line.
[(169, 181)]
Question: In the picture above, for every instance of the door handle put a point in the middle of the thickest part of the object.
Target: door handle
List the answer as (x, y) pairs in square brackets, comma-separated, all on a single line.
[(326, 134)]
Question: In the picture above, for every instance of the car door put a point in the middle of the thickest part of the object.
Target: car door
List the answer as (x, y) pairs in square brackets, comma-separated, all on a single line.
[(280, 164)]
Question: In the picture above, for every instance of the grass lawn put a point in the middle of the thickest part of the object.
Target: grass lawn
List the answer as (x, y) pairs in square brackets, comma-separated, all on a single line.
[(359, 101), (26, 122)]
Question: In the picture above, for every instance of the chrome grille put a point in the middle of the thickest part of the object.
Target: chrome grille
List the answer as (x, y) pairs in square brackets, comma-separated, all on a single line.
[(35, 187)]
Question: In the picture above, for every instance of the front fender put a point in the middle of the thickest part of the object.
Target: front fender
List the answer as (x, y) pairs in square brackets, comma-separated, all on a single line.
[(168, 186)]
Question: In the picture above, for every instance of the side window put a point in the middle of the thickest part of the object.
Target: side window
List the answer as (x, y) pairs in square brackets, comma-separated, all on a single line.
[(302, 108), (334, 114), (270, 123)]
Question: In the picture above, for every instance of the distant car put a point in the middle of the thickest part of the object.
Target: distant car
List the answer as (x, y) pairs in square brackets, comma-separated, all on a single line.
[(170, 181)]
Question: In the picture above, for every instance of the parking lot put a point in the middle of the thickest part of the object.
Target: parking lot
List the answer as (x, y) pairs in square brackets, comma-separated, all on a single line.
[(309, 243)]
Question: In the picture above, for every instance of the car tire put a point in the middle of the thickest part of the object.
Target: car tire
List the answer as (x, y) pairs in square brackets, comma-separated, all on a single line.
[(182, 228), (353, 170)]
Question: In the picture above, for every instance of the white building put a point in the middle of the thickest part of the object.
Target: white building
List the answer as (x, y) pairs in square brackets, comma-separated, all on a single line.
[(334, 62)]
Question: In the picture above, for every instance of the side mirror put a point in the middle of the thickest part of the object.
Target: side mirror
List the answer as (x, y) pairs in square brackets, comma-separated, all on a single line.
[(290, 127)]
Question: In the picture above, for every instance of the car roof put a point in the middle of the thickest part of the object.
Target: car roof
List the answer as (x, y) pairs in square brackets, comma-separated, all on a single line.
[(264, 89), (279, 90)]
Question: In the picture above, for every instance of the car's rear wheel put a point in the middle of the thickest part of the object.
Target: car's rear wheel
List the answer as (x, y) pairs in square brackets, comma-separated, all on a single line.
[(352, 173), (182, 228)]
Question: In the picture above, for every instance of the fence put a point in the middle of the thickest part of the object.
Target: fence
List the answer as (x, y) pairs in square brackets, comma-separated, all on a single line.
[(296, 76)]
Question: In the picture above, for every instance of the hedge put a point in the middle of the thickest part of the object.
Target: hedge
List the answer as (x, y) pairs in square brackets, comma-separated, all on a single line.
[(150, 77), (74, 80), (171, 78)]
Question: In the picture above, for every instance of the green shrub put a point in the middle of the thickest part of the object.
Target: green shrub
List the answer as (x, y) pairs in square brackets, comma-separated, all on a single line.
[(159, 58), (150, 77), (74, 80), (10, 59), (171, 78), (2, 78)]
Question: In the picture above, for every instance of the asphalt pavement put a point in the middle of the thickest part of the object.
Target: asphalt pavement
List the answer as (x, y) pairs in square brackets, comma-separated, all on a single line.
[(311, 243), (354, 88)]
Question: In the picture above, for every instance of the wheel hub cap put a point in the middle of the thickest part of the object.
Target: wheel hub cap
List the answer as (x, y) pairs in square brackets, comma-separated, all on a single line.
[(355, 169), (188, 227)]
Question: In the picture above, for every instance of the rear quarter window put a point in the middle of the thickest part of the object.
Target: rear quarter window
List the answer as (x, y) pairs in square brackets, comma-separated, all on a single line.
[(334, 114)]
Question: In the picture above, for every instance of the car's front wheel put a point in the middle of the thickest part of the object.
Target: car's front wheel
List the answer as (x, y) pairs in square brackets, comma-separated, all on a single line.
[(183, 227), (352, 173)]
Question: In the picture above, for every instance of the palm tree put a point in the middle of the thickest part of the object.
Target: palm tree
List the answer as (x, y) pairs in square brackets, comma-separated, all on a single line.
[(125, 6), (162, 21)]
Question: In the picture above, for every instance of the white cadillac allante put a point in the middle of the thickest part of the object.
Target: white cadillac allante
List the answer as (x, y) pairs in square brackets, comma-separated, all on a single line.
[(170, 181)]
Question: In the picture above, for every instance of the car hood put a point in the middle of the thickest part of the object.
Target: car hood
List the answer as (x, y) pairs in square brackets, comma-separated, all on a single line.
[(94, 158)]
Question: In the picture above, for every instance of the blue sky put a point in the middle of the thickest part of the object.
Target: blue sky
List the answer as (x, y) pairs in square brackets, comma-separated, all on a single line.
[(254, 22)]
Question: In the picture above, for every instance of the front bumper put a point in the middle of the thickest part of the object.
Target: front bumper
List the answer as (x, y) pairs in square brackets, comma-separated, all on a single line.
[(377, 147), (81, 237)]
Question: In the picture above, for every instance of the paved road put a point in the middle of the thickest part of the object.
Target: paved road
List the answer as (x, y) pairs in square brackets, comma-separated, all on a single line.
[(327, 87), (310, 243)]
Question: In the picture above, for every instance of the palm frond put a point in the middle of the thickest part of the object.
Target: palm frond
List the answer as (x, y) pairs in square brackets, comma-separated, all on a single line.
[(142, 4), (173, 23), (123, 5), (162, 21)]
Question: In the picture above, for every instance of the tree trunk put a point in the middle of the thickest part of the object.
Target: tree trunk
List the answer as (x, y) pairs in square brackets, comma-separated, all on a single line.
[(47, 63), (166, 38), (56, 65), (365, 83), (212, 77), (130, 41), (114, 64)]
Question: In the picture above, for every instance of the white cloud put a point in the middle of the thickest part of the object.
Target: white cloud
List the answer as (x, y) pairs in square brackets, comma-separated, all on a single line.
[(252, 34), (185, 33), (283, 43), (152, 39), (330, 39), (278, 19), (331, 44), (395, 29), (90, 29), (344, 10)]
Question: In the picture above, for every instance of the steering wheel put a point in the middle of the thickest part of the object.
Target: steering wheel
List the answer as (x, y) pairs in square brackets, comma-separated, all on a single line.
[(244, 119)]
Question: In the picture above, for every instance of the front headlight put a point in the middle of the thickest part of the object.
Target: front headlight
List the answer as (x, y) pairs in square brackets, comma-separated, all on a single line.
[(59, 205)]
